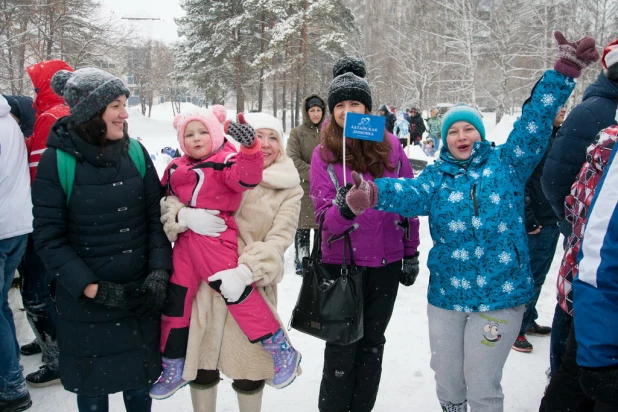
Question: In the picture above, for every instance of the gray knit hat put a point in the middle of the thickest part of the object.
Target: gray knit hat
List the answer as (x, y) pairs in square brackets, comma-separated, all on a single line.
[(86, 91), (349, 83)]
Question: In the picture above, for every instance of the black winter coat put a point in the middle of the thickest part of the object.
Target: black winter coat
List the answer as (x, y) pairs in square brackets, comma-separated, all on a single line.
[(110, 231), (417, 128), (568, 152), (538, 210)]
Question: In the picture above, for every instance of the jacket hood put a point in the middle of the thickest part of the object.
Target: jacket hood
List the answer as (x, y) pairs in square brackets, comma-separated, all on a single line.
[(27, 115), (306, 121), (41, 75), (281, 174), (5, 109), (63, 137), (598, 154), (602, 87)]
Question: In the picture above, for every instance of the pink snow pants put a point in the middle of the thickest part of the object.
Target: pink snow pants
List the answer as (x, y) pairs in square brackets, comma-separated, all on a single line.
[(195, 258)]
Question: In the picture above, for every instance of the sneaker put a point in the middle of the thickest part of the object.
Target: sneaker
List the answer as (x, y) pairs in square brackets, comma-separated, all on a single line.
[(286, 360), (522, 344), (170, 380), (535, 329), (43, 377), (30, 349), (16, 405), (451, 407)]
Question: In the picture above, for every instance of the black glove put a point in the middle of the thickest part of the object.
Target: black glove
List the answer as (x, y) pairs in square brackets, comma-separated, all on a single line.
[(155, 288), (410, 270), (600, 383), (128, 296), (342, 205), (241, 131)]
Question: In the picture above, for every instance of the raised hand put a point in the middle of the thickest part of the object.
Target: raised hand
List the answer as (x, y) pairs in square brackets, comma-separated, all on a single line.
[(240, 131), (573, 57), (363, 195)]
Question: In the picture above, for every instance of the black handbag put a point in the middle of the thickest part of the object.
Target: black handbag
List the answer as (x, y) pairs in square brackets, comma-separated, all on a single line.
[(330, 301)]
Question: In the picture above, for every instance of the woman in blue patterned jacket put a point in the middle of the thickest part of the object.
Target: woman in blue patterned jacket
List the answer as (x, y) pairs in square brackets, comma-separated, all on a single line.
[(479, 272)]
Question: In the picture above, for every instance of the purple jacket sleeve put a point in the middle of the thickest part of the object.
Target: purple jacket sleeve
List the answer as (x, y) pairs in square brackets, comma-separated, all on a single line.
[(322, 192), (410, 245)]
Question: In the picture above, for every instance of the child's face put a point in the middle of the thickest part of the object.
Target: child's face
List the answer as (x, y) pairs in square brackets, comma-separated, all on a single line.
[(460, 139), (197, 140)]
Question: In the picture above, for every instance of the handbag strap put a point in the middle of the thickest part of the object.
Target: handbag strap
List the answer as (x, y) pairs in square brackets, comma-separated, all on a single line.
[(316, 252)]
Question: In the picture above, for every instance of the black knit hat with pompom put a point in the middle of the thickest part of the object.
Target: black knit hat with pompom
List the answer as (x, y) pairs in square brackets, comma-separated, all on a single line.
[(86, 91), (349, 83)]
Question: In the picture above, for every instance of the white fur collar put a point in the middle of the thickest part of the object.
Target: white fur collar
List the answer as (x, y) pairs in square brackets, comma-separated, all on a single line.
[(280, 175)]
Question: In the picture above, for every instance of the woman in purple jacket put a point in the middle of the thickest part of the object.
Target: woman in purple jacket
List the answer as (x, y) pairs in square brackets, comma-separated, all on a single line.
[(380, 240)]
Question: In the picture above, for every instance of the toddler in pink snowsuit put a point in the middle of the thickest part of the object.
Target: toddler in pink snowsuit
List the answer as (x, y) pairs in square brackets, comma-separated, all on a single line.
[(211, 175)]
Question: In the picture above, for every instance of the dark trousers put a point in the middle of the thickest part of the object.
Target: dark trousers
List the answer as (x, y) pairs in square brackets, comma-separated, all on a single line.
[(560, 328), (351, 375), (564, 392), (135, 400), (40, 309), (542, 250), (301, 246)]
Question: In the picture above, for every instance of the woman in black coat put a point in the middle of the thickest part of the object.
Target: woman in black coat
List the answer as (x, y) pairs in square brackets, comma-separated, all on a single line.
[(103, 240)]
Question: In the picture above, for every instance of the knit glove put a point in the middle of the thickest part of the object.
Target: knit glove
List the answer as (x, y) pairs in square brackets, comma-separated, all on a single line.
[(363, 195), (340, 201), (128, 296), (202, 221), (154, 288), (170, 207), (576, 56), (241, 131), (600, 384), (409, 270), (233, 281)]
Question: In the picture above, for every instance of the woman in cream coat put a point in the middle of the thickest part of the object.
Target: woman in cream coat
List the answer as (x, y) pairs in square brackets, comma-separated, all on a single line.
[(267, 221)]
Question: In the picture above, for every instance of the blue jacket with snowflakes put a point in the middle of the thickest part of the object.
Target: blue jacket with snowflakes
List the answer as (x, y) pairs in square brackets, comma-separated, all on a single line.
[(479, 261), (595, 290)]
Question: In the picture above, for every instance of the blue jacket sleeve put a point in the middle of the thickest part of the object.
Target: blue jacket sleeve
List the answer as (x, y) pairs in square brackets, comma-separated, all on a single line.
[(528, 141), (595, 290), (408, 197)]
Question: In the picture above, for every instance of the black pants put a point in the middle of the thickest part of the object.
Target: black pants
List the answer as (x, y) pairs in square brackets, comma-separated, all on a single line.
[(351, 375), (564, 392), (208, 377), (40, 309), (301, 246), (135, 400)]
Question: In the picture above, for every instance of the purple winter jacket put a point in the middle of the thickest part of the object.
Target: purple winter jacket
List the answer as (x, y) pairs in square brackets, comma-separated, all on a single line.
[(379, 239)]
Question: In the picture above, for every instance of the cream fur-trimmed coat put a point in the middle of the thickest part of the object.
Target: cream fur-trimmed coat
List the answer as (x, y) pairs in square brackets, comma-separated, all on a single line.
[(267, 221)]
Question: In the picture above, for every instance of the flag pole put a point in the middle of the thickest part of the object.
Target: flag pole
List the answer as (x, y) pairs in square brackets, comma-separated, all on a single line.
[(345, 183)]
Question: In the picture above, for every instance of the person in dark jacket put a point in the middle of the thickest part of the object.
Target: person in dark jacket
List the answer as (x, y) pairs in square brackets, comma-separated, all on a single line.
[(596, 112), (391, 119), (303, 139), (105, 244), (23, 112), (417, 127), (543, 234)]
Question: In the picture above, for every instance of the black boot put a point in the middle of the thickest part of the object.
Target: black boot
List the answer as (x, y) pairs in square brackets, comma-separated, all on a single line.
[(30, 349), (16, 405), (43, 377)]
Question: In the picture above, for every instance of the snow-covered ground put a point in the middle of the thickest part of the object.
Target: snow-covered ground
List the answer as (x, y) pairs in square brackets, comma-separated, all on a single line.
[(407, 380)]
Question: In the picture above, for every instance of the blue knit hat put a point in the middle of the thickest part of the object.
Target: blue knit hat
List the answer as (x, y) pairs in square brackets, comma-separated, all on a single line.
[(462, 113)]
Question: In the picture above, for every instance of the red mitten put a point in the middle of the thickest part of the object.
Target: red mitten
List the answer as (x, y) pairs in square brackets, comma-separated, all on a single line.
[(576, 56), (363, 195)]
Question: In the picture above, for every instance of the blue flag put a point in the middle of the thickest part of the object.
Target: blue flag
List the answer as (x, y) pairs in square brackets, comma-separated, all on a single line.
[(364, 126)]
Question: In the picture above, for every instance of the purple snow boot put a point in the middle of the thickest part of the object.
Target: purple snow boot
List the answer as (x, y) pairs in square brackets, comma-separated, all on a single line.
[(285, 357), (170, 380)]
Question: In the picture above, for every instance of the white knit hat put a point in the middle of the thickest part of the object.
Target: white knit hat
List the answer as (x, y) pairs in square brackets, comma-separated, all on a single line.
[(266, 121)]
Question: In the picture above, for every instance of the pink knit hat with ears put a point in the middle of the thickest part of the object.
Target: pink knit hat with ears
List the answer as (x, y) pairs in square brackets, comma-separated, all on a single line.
[(213, 120)]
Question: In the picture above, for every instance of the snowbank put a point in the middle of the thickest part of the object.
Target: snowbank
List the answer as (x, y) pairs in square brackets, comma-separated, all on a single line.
[(501, 132)]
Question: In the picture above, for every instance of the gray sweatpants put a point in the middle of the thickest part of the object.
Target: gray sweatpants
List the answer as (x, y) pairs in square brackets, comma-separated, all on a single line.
[(468, 352)]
